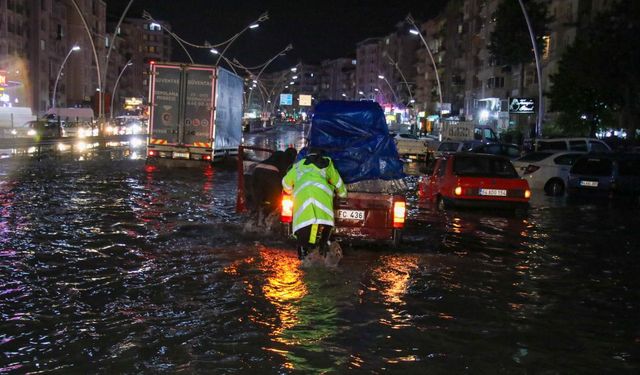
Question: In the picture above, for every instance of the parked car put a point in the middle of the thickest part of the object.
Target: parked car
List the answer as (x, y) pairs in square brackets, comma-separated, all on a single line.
[(547, 170), (475, 180), (508, 150), (605, 175), (571, 144), (450, 147)]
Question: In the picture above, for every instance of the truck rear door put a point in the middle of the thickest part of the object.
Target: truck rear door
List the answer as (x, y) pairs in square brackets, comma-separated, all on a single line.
[(198, 112), (165, 104)]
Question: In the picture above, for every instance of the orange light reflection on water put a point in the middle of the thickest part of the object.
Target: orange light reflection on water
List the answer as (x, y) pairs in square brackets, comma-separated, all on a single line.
[(284, 288)]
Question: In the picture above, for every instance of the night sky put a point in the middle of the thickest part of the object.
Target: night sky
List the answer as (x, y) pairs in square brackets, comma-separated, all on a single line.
[(317, 29)]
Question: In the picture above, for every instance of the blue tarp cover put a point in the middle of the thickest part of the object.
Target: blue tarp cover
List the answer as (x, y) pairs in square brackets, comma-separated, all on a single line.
[(356, 137)]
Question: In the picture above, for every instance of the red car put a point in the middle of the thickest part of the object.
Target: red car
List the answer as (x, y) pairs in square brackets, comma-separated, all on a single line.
[(475, 180)]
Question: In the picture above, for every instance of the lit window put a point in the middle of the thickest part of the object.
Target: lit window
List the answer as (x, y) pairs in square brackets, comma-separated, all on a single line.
[(546, 46)]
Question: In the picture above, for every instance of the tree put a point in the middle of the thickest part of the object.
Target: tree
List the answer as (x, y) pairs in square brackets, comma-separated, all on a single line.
[(598, 79), (510, 42)]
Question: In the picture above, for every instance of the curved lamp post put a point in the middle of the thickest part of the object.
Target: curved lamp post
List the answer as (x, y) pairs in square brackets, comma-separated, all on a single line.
[(416, 31), (265, 65), (253, 25), (55, 86), (395, 97), (115, 87), (538, 70), (404, 79)]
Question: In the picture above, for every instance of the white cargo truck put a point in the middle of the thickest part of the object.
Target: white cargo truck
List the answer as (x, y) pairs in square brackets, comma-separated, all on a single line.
[(195, 112)]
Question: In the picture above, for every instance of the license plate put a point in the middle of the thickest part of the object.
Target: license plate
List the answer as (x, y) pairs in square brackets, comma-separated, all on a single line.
[(181, 155), (589, 183), (351, 214), (494, 192)]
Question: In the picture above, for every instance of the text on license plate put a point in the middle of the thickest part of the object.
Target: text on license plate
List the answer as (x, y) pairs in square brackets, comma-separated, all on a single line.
[(589, 183), (181, 155), (494, 192), (351, 214)]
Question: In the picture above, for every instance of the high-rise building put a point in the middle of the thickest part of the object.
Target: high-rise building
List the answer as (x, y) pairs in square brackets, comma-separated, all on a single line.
[(143, 41), (337, 80), (368, 65)]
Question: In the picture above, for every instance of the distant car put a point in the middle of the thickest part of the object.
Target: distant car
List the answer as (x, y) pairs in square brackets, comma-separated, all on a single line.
[(450, 147), (605, 175), (411, 146), (44, 129), (508, 150), (475, 180), (79, 130), (547, 170)]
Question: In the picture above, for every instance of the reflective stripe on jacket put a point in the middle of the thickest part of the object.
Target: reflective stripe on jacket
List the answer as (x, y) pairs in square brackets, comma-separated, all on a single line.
[(312, 190)]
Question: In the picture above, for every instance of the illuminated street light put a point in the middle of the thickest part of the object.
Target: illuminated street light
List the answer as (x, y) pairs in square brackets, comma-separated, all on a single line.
[(294, 77), (214, 51), (115, 87), (395, 97), (294, 69), (55, 86), (414, 31), (253, 25), (361, 92)]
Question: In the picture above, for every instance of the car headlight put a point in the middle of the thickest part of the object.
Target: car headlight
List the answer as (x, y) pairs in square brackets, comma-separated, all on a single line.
[(31, 132), (14, 132)]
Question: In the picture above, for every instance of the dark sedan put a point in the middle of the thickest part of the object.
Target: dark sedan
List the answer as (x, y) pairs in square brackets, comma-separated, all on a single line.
[(508, 150), (605, 175)]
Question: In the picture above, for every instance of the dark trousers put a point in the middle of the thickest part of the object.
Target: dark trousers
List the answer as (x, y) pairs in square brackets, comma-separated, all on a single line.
[(307, 242)]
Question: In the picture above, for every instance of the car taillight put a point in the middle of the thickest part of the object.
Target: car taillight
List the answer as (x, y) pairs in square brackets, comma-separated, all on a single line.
[(286, 215), (527, 194), (458, 190), (399, 213), (152, 153), (207, 157), (531, 168)]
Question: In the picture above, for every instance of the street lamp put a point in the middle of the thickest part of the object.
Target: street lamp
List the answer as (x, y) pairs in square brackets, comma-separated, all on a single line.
[(115, 87), (536, 55), (264, 66), (395, 97), (253, 25), (415, 31), (55, 86)]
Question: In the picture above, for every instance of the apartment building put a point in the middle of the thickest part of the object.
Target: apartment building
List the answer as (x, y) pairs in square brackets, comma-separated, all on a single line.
[(337, 79)]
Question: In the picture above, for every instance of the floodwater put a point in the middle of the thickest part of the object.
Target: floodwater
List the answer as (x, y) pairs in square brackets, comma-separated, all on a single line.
[(108, 265)]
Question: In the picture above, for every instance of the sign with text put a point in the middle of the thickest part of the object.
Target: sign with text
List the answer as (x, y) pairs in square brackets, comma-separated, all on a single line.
[(522, 105), (286, 99), (304, 100)]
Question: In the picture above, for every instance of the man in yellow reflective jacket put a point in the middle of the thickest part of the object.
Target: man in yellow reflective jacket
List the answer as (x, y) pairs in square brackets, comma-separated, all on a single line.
[(312, 182)]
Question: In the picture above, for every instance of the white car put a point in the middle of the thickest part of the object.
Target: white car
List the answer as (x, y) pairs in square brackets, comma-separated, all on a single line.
[(547, 170), (411, 146)]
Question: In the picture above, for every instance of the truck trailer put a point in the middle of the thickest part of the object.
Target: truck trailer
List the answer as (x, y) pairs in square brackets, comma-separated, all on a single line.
[(195, 112)]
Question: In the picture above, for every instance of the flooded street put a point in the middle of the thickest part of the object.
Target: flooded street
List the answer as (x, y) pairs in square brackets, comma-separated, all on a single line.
[(114, 266)]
